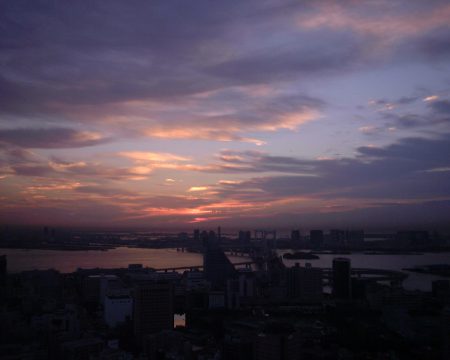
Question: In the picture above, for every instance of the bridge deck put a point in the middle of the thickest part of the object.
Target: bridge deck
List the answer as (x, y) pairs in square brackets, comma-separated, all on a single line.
[(367, 274)]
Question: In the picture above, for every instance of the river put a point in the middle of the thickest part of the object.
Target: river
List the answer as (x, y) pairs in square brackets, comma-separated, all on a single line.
[(68, 261)]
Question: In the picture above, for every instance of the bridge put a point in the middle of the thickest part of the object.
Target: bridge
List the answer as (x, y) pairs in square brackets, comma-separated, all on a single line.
[(371, 275), (198, 267)]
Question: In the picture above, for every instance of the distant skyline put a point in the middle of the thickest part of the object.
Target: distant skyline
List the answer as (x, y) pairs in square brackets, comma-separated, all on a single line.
[(244, 114)]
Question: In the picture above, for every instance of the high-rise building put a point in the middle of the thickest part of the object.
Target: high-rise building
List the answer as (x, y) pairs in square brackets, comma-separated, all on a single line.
[(338, 238), (304, 283), (3, 276), (355, 238), (118, 307), (342, 278), (95, 287), (3, 270), (197, 235), (245, 236), (216, 266), (204, 236), (412, 238), (242, 290), (316, 238), (295, 235), (441, 290), (445, 333), (153, 308)]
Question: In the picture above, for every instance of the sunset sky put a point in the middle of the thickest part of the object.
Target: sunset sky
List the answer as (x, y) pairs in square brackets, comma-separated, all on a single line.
[(264, 113)]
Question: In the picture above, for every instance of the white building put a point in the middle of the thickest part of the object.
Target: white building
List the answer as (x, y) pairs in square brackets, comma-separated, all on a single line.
[(117, 308)]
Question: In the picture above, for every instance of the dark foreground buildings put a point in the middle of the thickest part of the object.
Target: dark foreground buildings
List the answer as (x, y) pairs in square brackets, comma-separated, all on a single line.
[(153, 308), (216, 265), (342, 285), (258, 312)]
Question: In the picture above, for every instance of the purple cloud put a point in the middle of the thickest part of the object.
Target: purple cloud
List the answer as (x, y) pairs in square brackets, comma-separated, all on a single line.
[(50, 138)]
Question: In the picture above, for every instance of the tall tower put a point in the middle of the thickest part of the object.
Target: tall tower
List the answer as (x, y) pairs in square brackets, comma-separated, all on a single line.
[(3, 276), (3, 270), (342, 278), (304, 283), (316, 238), (216, 266), (153, 308)]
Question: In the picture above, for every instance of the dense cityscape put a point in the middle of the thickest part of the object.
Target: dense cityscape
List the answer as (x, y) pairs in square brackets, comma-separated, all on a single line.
[(258, 308), (225, 180)]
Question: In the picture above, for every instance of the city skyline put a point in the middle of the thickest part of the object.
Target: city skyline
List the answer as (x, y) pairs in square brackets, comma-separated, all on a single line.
[(243, 114)]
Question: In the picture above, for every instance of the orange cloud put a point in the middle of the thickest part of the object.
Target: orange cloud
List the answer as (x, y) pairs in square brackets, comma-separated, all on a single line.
[(290, 121), (53, 187), (225, 133), (160, 211), (197, 188), (431, 98), (140, 170), (228, 182), (152, 156), (388, 26)]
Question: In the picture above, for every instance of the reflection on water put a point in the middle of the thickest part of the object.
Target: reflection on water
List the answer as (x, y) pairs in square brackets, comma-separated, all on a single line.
[(388, 262), (69, 261)]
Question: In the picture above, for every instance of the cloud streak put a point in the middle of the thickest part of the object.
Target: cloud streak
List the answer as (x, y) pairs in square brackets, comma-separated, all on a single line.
[(186, 112), (51, 138)]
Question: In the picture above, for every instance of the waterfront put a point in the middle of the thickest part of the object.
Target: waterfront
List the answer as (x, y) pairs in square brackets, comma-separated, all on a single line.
[(68, 261), (386, 262)]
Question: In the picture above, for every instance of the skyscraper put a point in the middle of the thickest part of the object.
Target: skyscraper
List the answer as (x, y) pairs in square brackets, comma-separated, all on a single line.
[(153, 308), (196, 235), (355, 238), (342, 278), (304, 283), (245, 236), (216, 266), (338, 238), (3, 270), (295, 235), (316, 238), (3, 276)]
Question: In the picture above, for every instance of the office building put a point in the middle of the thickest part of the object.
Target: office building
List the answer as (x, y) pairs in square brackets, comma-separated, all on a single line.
[(316, 238), (241, 291), (355, 238), (194, 280), (245, 236), (153, 308), (118, 307), (3, 276), (304, 283), (337, 238), (295, 235), (216, 265), (441, 290), (196, 235), (412, 239), (342, 278)]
